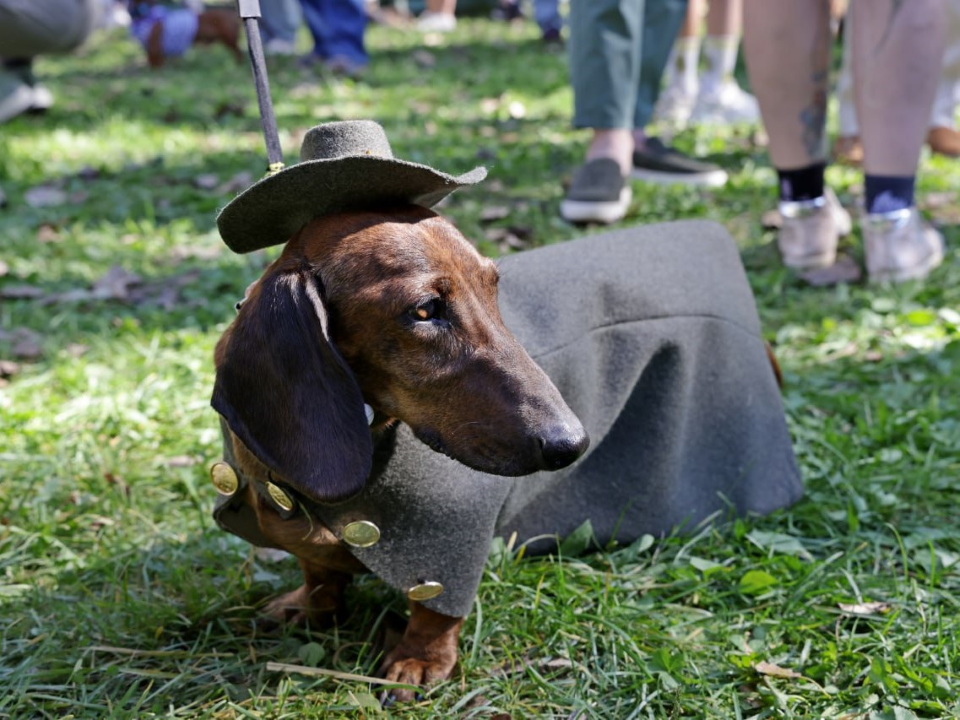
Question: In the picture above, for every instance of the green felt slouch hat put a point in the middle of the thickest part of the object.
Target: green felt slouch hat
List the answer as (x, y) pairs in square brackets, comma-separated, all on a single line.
[(345, 165)]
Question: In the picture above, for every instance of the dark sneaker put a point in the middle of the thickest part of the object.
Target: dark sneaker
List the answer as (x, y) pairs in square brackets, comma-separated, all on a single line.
[(661, 163), (551, 37), (597, 193)]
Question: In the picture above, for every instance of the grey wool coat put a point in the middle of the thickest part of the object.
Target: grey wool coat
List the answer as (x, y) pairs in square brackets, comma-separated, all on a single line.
[(652, 337)]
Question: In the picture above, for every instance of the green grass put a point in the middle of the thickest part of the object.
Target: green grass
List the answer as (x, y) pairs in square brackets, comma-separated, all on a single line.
[(120, 598)]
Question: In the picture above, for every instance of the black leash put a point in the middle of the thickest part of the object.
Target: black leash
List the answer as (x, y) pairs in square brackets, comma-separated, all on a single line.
[(250, 14)]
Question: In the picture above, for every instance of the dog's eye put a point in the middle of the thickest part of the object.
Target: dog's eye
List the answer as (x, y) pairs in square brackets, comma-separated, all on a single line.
[(426, 311), (429, 310)]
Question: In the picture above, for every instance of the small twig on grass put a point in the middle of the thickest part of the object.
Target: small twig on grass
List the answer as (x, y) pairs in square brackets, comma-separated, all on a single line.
[(155, 653), (304, 670)]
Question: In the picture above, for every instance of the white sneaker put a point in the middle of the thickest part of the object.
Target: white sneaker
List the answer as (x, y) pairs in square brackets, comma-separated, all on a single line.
[(725, 105), (674, 106), (810, 231), (17, 100), (900, 246), (279, 46), (437, 22)]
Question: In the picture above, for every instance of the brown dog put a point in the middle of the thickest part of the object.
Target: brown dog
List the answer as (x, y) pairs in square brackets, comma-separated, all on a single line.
[(396, 310), (214, 25)]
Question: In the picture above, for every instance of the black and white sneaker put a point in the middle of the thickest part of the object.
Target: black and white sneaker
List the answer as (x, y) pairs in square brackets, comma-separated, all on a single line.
[(660, 163), (598, 193)]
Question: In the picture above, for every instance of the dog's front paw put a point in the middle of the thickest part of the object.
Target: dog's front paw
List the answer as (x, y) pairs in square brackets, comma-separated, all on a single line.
[(289, 608), (414, 671), (301, 607)]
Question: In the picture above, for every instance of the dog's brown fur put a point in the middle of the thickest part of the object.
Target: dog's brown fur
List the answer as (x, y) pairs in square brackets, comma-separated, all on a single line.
[(398, 310), (216, 25)]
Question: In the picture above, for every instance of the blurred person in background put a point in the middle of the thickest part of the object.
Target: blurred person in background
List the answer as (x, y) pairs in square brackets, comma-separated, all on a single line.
[(896, 53), (943, 137), (338, 28), (618, 49), (29, 28), (440, 16), (711, 95)]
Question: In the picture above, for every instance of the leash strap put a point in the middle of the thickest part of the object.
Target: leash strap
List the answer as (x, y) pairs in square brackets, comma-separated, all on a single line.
[(250, 14)]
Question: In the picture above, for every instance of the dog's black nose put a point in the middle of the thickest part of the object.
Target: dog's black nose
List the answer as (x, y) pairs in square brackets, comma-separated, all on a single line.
[(562, 445)]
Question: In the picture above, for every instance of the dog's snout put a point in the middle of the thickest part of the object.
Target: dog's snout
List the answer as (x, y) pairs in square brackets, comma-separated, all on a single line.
[(562, 445)]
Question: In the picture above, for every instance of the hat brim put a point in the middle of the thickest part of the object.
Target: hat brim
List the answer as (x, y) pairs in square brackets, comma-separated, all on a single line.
[(270, 211)]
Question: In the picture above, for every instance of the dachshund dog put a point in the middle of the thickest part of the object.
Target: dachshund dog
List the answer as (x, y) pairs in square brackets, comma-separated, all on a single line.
[(166, 32), (397, 311)]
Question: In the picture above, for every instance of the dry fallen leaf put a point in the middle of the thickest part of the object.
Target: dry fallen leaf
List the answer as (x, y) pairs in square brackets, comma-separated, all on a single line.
[(115, 284), (21, 292), (765, 668), (47, 233), (494, 212), (206, 181), (240, 181), (8, 368), (44, 196), (27, 345), (424, 59), (867, 608)]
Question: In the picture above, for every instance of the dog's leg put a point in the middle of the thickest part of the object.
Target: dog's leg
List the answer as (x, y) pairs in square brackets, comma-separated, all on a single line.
[(155, 46), (426, 653), (316, 602)]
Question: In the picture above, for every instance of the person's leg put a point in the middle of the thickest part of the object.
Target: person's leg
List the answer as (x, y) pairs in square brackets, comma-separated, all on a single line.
[(897, 54), (279, 22), (722, 43), (338, 27), (721, 100), (653, 161), (605, 55), (546, 13), (661, 23), (847, 147), (944, 137), (605, 43), (40, 27), (440, 16), (35, 27), (787, 47), (681, 77)]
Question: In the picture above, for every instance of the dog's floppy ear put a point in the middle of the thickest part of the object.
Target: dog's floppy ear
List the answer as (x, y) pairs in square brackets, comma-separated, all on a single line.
[(286, 393)]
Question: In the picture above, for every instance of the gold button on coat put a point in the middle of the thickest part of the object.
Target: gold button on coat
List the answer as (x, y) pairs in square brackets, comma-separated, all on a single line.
[(279, 496), (224, 478), (425, 591), (361, 534)]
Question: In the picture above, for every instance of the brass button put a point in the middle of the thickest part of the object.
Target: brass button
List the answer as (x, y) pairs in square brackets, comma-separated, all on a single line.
[(279, 496), (361, 534), (224, 478), (424, 591)]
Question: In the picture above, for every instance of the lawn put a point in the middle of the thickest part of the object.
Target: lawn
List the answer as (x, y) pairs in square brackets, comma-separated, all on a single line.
[(120, 598)]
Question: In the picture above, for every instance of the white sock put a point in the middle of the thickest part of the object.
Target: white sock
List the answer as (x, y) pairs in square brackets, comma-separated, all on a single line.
[(682, 71), (720, 57)]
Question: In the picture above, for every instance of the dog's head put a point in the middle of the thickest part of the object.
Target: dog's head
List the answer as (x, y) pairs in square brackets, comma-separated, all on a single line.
[(398, 310)]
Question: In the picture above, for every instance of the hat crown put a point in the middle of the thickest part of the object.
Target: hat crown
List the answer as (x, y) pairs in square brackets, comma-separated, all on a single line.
[(347, 137)]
